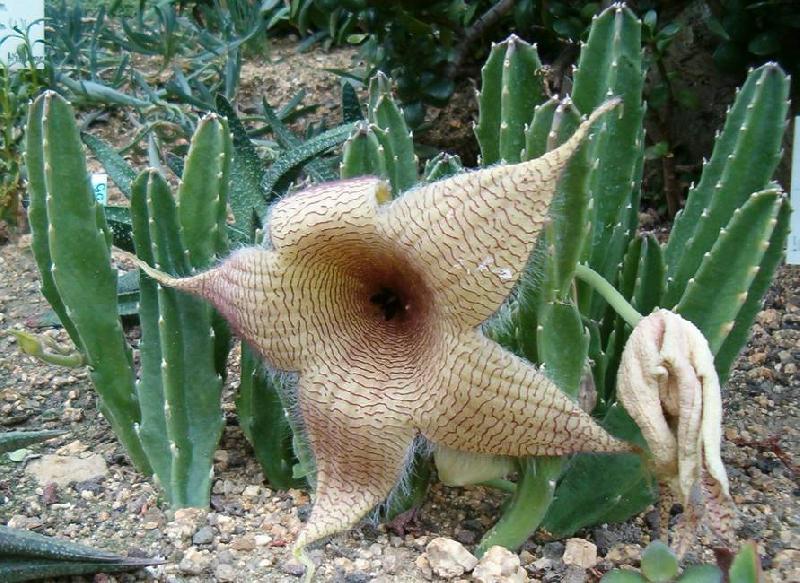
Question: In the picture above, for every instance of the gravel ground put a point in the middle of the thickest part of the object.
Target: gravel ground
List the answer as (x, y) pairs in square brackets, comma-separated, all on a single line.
[(247, 533)]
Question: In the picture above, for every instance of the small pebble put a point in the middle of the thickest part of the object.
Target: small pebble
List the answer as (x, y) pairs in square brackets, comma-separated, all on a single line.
[(293, 567), (203, 536)]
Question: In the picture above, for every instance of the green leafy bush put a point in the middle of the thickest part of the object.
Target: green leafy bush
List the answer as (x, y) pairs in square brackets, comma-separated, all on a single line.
[(17, 87), (752, 32)]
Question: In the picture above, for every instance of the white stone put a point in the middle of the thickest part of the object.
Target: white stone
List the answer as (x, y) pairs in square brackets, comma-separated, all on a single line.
[(190, 516), (251, 491), (581, 553), (263, 540), (344, 564), (226, 524), (499, 565), (226, 573), (194, 562), (390, 563), (449, 558), (543, 564), (66, 469), (73, 447), (185, 523), (424, 566)]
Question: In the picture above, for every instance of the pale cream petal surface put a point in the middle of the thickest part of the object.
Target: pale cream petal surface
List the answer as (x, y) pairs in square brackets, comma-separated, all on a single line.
[(251, 290), (474, 232), (641, 380), (327, 213), (377, 305), (360, 444), (485, 399)]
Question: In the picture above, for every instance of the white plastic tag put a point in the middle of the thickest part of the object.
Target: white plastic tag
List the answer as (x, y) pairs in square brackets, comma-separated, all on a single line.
[(793, 251), (100, 188)]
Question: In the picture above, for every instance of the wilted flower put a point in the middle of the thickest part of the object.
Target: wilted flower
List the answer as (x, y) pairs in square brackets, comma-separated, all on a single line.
[(668, 384)]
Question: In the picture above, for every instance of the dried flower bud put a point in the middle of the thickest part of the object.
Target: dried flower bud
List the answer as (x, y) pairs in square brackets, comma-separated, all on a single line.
[(668, 384)]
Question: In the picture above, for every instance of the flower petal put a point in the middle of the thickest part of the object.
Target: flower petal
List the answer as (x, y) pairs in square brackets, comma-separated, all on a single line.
[(683, 397), (361, 448), (461, 468), (484, 399), (249, 288), (641, 379), (474, 232), (332, 211)]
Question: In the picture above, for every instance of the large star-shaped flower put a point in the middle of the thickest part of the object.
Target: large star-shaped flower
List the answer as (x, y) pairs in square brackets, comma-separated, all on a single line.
[(377, 303)]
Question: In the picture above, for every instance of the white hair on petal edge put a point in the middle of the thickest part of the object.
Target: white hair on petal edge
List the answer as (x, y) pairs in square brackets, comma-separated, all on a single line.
[(420, 447), (285, 384)]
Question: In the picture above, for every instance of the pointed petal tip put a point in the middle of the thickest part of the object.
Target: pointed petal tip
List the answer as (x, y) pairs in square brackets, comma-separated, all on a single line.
[(162, 278)]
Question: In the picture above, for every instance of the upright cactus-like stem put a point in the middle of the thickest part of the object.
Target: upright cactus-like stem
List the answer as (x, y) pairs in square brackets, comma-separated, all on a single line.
[(730, 267), (641, 283), (553, 122), (739, 332), (81, 286), (511, 86), (610, 64), (528, 504), (180, 429), (717, 268), (744, 159), (395, 139), (170, 419), (441, 166), (362, 154), (383, 145), (203, 193), (180, 346), (262, 417)]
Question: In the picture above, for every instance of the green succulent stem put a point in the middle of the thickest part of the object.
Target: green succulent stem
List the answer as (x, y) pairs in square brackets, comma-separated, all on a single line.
[(534, 492), (39, 347), (80, 286), (500, 484), (615, 299)]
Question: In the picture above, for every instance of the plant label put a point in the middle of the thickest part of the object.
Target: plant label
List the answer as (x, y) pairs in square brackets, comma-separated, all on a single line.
[(22, 33), (793, 252), (100, 188)]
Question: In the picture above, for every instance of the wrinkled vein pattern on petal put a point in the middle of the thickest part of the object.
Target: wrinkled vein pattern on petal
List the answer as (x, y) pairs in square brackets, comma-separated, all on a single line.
[(474, 232), (485, 399), (360, 449), (310, 219)]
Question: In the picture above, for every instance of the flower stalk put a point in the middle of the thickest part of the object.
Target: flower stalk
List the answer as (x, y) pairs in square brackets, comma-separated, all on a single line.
[(609, 293)]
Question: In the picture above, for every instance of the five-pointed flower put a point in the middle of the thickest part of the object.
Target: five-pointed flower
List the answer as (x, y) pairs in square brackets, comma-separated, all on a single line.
[(377, 304)]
